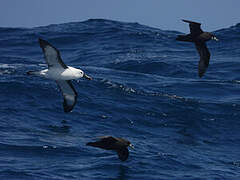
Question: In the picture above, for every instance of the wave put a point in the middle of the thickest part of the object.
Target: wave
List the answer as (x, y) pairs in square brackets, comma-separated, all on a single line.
[(145, 87)]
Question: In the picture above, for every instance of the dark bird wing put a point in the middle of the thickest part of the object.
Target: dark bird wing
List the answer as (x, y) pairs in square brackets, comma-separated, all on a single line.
[(204, 58), (51, 55), (105, 142), (123, 154), (69, 95), (195, 28), (187, 38)]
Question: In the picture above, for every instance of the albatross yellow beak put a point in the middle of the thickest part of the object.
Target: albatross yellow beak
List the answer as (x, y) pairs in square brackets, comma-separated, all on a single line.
[(87, 77)]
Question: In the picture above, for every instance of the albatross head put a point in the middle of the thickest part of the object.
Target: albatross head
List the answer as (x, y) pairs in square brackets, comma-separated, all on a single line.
[(80, 74)]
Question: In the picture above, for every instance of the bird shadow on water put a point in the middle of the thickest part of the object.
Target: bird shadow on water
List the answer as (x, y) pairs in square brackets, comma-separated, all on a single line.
[(64, 128), (122, 172)]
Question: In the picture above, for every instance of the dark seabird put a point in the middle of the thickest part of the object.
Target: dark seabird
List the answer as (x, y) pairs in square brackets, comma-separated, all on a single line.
[(60, 73), (119, 145), (198, 37)]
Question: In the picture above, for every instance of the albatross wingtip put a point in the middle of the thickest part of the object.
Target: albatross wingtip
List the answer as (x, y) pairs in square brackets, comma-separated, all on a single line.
[(43, 43), (67, 108), (40, 40)]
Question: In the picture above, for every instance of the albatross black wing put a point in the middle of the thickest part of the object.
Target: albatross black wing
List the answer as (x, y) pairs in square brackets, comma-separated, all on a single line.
[(69, 95), (105, 142), (123, 154), (195, 28), (204, 58), (51, 55)]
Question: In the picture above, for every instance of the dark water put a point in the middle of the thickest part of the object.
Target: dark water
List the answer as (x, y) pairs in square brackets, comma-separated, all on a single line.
[(145, 88)]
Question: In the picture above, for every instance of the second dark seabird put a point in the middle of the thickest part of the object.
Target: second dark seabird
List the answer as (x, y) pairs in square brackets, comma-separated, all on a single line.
[(198, 37), (119, 145)]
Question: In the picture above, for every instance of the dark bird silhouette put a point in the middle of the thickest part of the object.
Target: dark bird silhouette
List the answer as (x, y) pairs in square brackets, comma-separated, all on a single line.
[(198, 37), (119, 145)]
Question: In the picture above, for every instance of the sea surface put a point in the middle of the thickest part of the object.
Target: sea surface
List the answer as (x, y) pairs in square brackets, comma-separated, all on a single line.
[(145, 88)]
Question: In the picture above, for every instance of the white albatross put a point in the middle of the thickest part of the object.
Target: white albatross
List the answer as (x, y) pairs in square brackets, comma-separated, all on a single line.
[(60, 73)]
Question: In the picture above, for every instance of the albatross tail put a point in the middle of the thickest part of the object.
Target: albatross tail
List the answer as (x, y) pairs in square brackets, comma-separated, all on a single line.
[(33, 73)]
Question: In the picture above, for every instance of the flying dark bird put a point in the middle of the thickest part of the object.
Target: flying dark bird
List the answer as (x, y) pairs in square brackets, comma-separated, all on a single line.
[(60, 73), (119, 145), (198, 37)]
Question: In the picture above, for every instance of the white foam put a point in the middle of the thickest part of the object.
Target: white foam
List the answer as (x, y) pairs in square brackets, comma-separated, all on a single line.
[(5, 72), (4, 66)]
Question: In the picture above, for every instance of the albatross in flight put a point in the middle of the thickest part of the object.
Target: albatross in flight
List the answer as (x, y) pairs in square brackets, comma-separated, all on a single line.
[(198, 37), (60, 73), (119, 145)]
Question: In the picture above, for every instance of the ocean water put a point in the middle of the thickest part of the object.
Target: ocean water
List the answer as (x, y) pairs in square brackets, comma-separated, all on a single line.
[(145, 88)]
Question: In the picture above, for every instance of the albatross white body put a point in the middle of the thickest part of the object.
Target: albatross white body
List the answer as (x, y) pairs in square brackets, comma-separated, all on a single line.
[(61, 73)]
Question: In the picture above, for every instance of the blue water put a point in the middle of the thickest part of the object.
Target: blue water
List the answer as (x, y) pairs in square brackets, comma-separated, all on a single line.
[(145, 88)]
